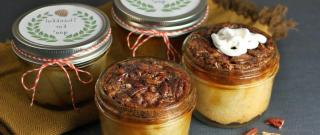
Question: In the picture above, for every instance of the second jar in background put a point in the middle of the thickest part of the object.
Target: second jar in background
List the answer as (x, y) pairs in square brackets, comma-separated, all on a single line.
[(157, 26)]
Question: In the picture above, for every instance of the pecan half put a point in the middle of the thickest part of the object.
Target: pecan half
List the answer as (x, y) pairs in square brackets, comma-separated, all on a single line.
[(275, 122), (252, 131)]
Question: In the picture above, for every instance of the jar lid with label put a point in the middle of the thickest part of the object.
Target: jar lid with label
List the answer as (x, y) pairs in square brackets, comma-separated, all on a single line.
[(175, 17), (79, 32)]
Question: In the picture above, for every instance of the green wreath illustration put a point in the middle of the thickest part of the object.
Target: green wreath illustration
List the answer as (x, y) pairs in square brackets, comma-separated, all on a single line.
[(178, 4), (90, 25), (33, 28), (142, 5)]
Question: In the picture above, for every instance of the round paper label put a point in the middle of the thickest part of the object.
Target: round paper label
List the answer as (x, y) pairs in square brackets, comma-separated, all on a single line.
[(60, 25), (161, 8)]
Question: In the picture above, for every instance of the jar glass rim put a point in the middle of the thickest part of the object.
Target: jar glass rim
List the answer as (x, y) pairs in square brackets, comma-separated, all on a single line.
[(142, 114), (242, 75)]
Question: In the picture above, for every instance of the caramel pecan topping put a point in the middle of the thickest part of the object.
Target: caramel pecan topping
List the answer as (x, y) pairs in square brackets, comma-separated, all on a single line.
[(146, 83), (208, 57)]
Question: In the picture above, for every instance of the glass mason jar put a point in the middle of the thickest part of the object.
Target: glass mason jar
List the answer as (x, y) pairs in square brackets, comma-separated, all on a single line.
[(230, 97), (163, 19), (117, 118), (51, 39)]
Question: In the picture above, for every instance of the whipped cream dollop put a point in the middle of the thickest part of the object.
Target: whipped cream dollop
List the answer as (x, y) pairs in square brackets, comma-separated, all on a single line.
[(235, 42)]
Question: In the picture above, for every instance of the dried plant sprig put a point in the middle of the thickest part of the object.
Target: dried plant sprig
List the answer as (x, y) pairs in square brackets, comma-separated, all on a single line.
[(273, 17), (243, 7)]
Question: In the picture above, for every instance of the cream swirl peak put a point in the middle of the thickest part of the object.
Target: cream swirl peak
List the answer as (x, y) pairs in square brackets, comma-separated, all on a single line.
[(235, 42)]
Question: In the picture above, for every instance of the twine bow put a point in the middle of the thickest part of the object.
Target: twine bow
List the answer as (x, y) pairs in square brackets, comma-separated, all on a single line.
[(61, 64), (148, 34)]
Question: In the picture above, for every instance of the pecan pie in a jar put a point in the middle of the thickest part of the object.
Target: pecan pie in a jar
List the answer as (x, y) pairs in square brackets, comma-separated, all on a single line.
[(145, 96), (233, 67)]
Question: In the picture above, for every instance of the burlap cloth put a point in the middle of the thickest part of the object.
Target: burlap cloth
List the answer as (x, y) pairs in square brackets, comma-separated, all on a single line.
[(17, 117)]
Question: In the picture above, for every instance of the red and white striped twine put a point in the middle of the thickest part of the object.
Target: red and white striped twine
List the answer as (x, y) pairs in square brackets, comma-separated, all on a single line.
[(145, 35), (62, 63)]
